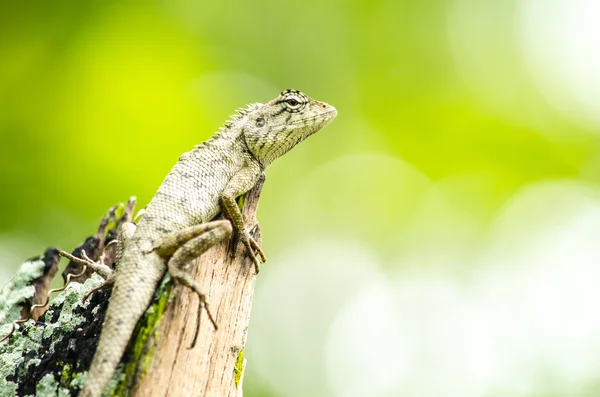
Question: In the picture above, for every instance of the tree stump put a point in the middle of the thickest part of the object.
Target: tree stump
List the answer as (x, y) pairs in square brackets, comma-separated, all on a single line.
[(214, 367), (52, 356)]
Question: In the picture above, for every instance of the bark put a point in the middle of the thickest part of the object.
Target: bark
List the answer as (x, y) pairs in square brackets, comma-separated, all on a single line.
[(214, 367), (53, 355)]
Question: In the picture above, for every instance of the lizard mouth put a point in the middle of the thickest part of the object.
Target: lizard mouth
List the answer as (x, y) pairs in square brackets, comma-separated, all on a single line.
[(327, 116), (322, 121)]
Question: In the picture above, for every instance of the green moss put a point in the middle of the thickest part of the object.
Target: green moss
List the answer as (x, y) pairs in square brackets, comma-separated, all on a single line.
[(66, 374), (139, 353), (239, 367), (241, 201)]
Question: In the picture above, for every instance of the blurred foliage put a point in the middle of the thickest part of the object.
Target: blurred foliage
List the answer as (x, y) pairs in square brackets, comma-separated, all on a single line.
[(99, 98)]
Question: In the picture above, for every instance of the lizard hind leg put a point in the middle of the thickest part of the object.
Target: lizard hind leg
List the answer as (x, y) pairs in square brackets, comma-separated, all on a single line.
[(202, 238)]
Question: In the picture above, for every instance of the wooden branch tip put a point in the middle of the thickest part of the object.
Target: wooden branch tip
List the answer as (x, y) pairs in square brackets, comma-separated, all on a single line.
[(210, 368)]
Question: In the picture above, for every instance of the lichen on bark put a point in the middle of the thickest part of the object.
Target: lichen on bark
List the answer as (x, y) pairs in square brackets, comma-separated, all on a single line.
[(55, 347)]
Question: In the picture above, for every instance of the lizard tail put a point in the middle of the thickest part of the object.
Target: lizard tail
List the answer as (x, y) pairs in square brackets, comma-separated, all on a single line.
[(129, 300), (109, 352)]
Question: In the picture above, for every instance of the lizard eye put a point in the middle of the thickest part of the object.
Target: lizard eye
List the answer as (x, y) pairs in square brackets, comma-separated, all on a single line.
[(260, 122), (292, 102)]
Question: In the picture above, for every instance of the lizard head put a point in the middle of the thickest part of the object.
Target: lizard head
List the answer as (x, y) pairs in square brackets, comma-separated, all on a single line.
[(274, 128)]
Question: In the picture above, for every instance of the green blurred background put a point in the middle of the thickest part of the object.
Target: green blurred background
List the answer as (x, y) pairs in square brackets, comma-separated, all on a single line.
[(440, 238)]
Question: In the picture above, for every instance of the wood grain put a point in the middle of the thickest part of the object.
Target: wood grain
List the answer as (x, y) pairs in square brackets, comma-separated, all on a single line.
[(210, 368)]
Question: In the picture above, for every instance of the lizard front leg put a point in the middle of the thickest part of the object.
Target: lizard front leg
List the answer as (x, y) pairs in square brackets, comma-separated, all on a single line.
[(182, 247), (241, 182)]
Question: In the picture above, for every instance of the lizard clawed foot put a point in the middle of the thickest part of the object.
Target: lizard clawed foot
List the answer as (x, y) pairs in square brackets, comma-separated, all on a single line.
[(202, 303), (100, 268), (180, 276), (253, 249)]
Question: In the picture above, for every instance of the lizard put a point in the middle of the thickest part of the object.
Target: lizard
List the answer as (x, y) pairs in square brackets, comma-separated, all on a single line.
[(178, 226)]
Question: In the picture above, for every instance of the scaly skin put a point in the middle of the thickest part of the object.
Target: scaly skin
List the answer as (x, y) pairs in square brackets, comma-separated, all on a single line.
[(176, 226)]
